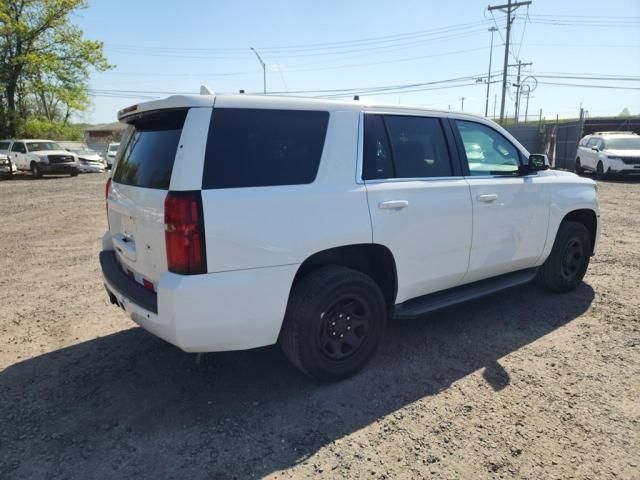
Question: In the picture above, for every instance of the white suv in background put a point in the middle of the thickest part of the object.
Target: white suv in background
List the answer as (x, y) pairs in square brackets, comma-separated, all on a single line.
[(239, 221), (112, 150), (609, 152)]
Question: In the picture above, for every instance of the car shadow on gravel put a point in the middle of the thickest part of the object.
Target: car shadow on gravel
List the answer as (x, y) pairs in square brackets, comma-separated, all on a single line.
[(129, 405)]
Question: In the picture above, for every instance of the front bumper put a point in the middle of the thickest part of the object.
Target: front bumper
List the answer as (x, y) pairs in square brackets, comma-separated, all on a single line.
[(212, 312), (61, 168), (91, 167), (622, 168), (6, 170)]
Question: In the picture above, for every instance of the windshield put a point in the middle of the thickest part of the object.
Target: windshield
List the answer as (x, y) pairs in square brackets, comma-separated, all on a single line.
[(625, 143), (40, 146)]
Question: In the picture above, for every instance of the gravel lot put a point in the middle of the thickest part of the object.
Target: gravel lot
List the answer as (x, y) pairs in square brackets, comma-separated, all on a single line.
[(523, 384)]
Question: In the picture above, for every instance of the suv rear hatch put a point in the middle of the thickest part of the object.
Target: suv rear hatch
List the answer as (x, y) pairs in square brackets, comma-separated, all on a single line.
[(138, 191)]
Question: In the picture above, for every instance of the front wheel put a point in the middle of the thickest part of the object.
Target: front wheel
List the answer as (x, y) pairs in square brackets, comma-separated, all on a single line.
[(600, 171), (334, 323), (569, 258), (74, 173), (35, 170)]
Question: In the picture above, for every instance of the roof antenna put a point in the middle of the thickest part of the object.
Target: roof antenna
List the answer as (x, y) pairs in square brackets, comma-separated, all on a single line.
[(204, 90)]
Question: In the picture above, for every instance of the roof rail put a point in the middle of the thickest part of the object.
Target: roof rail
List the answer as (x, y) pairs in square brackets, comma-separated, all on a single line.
[(614, 133)]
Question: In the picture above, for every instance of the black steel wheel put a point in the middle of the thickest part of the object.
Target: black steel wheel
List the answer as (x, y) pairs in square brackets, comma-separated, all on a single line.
[(567, 263), (35, 170), (334, 322)]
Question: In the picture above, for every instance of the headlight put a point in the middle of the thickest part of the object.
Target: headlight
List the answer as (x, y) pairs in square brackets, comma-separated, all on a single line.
[(613, 157), (43, 158)]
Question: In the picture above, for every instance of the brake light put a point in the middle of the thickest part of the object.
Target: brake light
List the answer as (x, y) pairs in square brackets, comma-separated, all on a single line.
[(107, 189), (184, 233)]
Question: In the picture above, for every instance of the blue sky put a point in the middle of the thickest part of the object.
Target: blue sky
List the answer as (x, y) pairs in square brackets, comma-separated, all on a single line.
[(328, 45)]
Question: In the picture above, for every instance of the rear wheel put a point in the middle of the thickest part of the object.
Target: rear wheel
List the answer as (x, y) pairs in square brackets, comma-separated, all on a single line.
[(334, 323), (579, 169), (35, 170), (567, 264)]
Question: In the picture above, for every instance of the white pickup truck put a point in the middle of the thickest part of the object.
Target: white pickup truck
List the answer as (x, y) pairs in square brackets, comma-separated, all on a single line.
[(238, 221), (40, 157)]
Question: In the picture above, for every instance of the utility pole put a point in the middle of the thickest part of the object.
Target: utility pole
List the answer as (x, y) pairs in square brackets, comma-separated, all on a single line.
[(462, 106), (526, 110), (264, 70), (509, 8), (516, 116), (495, 103), (486, 105)]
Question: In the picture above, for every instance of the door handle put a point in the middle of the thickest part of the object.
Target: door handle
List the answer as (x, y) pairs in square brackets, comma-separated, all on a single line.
[(487, 197), (393, 204)]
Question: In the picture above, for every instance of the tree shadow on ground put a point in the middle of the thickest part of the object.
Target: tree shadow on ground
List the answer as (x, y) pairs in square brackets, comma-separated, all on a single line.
[(129, 405)]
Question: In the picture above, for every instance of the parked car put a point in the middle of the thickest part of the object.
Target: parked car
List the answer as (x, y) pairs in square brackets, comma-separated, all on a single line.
[(41, 157), (309, 222), (7, 167), (88, 160), (112, 150), (609, 153)]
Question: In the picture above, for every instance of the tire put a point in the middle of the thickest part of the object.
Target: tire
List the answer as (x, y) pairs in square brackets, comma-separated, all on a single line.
[(579, 169), (74, 173), (569, 258), (334, 322), (600, 171), (35, 170)]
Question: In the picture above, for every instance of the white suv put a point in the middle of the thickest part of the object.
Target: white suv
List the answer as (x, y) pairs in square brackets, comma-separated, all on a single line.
[(238, 221), (609, 152)]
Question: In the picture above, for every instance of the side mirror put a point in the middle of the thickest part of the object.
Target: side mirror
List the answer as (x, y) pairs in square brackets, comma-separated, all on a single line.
[(538, 161), (595, 149)]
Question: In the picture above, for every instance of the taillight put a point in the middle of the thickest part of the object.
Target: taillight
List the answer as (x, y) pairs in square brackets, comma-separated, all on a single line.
[(107, 189), (184, 233)]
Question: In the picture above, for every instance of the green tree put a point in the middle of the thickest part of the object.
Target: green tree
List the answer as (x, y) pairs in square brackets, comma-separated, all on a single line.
[(625, 112), (44, 62)]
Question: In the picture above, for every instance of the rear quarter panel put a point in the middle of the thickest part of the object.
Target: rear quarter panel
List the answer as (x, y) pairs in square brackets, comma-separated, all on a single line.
[(258, 227)]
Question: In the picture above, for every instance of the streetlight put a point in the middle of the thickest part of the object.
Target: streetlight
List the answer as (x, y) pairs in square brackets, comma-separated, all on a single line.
[(486, 105), (264, 70)]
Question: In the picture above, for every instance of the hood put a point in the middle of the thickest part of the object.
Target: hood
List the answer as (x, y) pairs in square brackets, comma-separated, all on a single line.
[(94, 157), (53, 152), (621, 153), (572, 177)]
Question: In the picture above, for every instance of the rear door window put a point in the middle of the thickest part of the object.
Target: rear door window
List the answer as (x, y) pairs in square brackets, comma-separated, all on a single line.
[(397, 146), (260, 147), (147, 160)]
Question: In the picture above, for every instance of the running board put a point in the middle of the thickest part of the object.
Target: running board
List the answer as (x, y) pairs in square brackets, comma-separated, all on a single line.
[(416, 307)]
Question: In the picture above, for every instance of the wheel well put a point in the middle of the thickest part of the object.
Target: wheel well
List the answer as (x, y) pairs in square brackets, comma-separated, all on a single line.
[(588, 219), (371, 259)]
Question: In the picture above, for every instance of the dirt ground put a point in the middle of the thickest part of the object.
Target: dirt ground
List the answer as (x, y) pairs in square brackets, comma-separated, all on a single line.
[(524, 384)]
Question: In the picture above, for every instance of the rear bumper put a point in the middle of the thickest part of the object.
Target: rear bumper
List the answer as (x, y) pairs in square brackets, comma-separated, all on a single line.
[(206, 313)]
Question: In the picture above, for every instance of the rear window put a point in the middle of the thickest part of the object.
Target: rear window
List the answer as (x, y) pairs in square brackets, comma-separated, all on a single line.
[(4, 145), (147, 160), (258, 147)]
